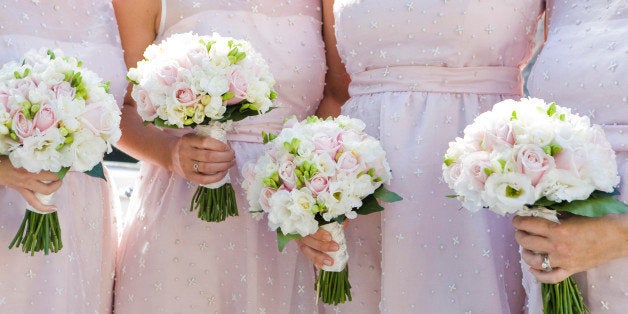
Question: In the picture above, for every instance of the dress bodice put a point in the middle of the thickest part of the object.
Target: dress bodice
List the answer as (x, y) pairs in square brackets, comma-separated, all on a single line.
[(583, 63), (435, 32), (93, 38)]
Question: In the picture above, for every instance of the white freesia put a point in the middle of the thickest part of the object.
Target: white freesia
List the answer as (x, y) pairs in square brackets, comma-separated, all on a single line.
[(508, 192)]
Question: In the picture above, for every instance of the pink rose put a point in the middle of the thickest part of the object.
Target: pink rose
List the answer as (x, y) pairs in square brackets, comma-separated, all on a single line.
[(473, 168), (196, 55), (23, 86), (4, 100), (317, 184), (63, 89), (184, 95), (324, 143), (145, 106), (534, 162), (570, 160), (237, 86), (98, 118), (168, 75), (44, 118), (22, 126), (264, 198), (499, 136), (286, 172), (348, 162)]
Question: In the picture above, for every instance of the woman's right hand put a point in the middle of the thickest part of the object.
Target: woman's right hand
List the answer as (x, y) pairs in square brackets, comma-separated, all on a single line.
[(213, 157), (27, 183), (315, 245)]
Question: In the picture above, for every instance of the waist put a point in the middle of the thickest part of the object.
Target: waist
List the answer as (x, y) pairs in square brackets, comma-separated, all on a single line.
[(250, 133), (476, 80)]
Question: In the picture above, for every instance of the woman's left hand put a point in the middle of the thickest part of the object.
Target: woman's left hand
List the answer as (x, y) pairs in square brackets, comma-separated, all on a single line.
[(576, 244)]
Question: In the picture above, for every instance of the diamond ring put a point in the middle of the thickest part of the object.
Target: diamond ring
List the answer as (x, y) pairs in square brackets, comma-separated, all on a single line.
[(545, 265), (195, 166)]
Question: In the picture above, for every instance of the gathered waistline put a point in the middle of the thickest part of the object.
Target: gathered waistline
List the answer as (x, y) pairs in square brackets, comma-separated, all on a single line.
[(477, 80)]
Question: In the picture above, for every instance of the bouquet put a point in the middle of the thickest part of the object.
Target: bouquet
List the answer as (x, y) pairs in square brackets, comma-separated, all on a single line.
[(532, 158), (54, 116), (203, 82), (319, 173)]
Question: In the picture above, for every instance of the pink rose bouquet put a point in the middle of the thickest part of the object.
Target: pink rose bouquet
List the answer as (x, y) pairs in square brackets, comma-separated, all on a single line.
[(203, 82), (319, 173), (531, 158), (54, 116)]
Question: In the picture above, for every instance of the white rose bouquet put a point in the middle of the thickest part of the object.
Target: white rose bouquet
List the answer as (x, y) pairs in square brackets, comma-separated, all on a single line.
[(203, 82), (319, 173), (531, 158), (54, 116)]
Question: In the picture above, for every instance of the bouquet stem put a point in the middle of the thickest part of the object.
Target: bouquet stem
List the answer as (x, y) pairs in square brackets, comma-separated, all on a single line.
[(333, 287), (332, 283), (563, 297), (215, 201), (38, 232), (214, 205)]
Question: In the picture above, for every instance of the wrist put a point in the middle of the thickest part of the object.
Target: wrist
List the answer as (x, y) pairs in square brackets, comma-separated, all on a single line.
[(622, 221)]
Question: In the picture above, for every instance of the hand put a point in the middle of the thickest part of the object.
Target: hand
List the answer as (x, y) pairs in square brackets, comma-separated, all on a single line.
[(576, 244), (27, 183), (314, 246), (214, 158)]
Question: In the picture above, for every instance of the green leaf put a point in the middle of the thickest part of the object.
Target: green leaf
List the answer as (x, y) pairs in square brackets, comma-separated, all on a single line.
[(544, 202), (369, 206), (387, 196), (283, 239), (61, 173), (97, 172), (597, 205)]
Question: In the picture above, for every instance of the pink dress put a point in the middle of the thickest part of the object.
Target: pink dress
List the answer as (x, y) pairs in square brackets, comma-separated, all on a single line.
[(583, 66), (421, 71), (171, 261), (79, 278)]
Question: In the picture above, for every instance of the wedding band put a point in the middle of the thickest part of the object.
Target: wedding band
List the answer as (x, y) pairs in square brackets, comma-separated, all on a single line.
[(195, 166), (545, 265)]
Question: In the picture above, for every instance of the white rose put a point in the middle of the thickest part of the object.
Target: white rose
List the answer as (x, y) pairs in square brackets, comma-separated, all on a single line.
[(508, 192)]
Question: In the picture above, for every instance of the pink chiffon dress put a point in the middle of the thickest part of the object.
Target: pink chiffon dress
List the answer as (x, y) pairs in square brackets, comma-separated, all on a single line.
[(584, 66), (420, 72), (171, 261), (79, 278)]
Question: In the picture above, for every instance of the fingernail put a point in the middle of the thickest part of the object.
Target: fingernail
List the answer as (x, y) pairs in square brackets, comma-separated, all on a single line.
[(334, 247), (327, 237), (327, 262)]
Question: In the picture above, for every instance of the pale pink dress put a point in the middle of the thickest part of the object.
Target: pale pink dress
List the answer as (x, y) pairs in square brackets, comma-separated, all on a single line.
[(584, 66), (169, 260), (79, 278), (421, 71)]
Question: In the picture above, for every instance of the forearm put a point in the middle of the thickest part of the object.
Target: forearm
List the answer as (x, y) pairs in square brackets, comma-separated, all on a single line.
[(328, 107), (145, 142)]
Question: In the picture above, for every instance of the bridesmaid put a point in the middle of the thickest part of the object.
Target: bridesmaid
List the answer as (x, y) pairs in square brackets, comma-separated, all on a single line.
[(79, 278), (583, 66), (420, 71), (169, 260)]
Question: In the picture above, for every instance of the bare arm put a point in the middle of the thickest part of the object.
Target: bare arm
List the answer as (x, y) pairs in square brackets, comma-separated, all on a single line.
[(336, 80), (138, 22)]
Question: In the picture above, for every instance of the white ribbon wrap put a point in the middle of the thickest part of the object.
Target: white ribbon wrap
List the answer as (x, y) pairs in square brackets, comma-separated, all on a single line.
[(216, 130), (341, 257), (45, 199), (539, 211)]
